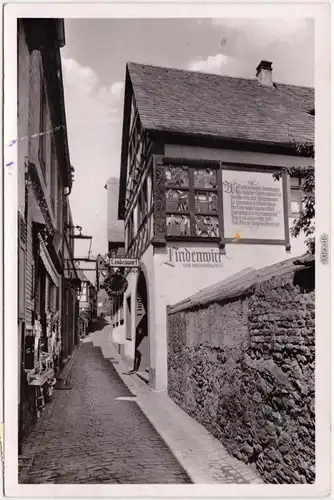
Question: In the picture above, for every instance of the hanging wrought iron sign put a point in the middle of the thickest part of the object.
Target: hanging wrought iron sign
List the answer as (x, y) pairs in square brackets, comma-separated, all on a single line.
[(115, 284)]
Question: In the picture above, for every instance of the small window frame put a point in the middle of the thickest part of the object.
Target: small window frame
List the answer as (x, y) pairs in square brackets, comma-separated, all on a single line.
[(295, 189), (43, 123)]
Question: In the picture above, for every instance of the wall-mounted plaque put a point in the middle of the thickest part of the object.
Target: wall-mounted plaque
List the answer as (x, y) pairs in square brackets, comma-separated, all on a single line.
[(253, 205)]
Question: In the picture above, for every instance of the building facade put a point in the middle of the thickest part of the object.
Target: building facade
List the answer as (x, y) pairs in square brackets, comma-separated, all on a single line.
[(104, 304), (115, 226), (114, 306), (71, 286), (87, 301), (45, 179), (197, 190)]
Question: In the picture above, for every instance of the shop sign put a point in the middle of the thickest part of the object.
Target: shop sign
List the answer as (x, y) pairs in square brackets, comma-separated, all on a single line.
[(195, 258), (120, 262), (253, 205)]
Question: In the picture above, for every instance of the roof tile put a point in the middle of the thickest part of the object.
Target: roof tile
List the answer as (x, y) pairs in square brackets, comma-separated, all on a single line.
[(196, 103)]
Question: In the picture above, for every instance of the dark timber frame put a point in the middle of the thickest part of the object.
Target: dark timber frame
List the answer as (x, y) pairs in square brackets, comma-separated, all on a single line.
[(160, 231)]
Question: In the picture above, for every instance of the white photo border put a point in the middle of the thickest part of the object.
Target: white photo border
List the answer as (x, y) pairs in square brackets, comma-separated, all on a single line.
[(321, 13)]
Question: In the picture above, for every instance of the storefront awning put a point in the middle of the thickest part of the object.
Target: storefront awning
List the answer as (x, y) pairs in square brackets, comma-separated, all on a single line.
[(48, 264)]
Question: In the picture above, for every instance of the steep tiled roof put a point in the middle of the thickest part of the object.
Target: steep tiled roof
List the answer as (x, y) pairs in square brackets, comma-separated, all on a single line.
[(195, 103)]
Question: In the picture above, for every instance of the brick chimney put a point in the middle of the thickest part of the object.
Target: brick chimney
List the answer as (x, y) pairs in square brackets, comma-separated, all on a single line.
[(264, 73)]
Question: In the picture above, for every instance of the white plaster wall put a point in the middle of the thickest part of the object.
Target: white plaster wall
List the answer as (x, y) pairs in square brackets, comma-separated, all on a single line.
[(118, 334), (178, 282)]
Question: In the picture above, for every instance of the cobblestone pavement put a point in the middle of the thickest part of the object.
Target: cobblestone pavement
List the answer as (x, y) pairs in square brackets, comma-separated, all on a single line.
[(204, 458), (96, 433)]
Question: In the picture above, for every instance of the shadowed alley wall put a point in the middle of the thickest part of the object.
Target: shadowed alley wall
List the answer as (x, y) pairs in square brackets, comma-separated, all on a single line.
[(241, 362)]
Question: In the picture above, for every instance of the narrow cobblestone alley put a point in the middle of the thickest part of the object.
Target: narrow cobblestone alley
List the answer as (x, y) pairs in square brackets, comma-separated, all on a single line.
[(93, 435), (162, 293)]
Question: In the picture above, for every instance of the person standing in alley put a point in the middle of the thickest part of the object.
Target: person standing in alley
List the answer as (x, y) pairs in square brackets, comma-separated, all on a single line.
[(139, 338)]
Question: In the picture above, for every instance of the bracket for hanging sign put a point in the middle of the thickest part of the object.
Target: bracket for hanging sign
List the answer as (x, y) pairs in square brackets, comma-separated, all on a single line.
[(78, 236)]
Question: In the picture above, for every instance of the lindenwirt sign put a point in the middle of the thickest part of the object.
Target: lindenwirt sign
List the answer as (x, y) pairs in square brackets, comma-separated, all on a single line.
[(195, 258)]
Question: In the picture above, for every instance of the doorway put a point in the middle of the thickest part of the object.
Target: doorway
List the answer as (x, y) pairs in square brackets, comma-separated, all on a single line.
[(142, 346), (128, 317)]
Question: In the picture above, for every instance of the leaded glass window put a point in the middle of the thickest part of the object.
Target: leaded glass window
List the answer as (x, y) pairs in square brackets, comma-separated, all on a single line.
[(207, 226), (191, 201), (177, 176), (206, 202), (177, 201), (205, 178), (178, 225)]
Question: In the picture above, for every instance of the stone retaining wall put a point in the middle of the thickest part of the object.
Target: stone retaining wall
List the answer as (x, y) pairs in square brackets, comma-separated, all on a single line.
[(244, 368)]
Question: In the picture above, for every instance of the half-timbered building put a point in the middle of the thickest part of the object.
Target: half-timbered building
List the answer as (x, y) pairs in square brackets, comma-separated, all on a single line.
[(197, 191)]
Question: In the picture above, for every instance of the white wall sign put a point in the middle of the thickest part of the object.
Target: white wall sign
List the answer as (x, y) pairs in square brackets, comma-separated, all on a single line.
[(253, 205)]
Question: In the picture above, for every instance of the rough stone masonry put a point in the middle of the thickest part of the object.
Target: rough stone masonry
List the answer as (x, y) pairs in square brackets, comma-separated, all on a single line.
[(243, 366)]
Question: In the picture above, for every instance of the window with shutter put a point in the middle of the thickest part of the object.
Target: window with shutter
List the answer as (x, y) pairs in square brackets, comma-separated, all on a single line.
[(21, 282), (22, 237), (43, 129)]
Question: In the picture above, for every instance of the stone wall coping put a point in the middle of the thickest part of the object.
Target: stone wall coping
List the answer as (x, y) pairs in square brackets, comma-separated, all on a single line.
[(241, 284)]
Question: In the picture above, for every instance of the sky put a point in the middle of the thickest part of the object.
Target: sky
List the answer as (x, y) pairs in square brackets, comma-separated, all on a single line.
[(94, 60)]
